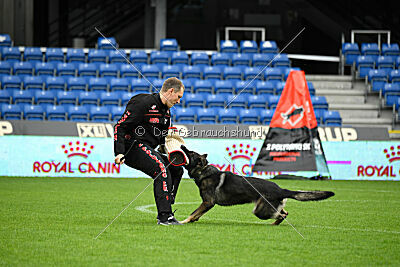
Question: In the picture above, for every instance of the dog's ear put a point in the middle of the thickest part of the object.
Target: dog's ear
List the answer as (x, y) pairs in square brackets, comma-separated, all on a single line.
[(205, 155)]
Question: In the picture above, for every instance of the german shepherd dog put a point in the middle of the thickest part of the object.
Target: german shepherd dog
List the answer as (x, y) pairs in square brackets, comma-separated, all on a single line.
[(227, 188)]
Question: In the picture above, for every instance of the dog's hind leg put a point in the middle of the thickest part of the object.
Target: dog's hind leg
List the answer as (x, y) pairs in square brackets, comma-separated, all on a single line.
[(200, 211), (282, 213), (273, 209)]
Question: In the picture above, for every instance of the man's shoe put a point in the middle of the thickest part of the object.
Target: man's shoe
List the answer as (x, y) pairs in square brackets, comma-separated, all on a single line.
[(170, 221)]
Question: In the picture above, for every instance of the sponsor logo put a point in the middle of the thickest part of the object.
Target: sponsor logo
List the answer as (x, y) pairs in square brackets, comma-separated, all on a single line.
[(392, 154), (5, 128), (241, 157), (154, 120), (153, 108), (77, 153), (94, 130), (293, 115)]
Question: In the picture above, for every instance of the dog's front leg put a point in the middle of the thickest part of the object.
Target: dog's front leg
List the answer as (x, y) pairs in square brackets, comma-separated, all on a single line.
[(200, 211)]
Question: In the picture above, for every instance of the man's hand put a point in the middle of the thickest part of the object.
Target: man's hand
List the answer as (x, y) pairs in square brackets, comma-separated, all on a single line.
[(118, 159)]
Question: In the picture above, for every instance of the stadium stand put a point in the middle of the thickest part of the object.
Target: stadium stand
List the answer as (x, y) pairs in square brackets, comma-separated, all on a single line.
[(95, 85)]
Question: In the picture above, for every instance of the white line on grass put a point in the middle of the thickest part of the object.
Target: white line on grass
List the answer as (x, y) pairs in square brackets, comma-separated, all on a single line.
[(145, 208)]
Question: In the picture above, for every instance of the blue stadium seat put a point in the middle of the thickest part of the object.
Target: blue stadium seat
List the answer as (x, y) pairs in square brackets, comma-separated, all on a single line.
[(228, 46), (247, 46), (228, 116), (45, 97), (350, 51), (34, 112), (88, 99), (119, 84), (242, 87), (56, 113), (138, 57), (394, 76), (185, 115), (10, 54), (202, 86), (248, 116), (117, 112), (251, 73), (168, 44), (5, 97), (319, 103), (257, 102), (391, 94), (273, 74), (78, 113), (370, 49), (9, 81), (75, 55), (22, 96), (180, 57), (117, 56), (127, 70), (236, 101), (194, 100), (100, 114), (11, 112), (263, 87), (44, 69), (170, 71), (23, 68), (311, 88), (157, 83), (55, 83), (363, 65), (187, 83), (140, 85), (269, 47), (76, 84), (319, 114), (111, 98), (398, 62), (386, 63), (67, 98), (159, 57), (108, 70), (279, 86), (266, 116), (33, 82), (212, 72), (281, 60), (87, 70), (106, 43), (391, 50), (96, 55), (215, 101), (33, 54), (287, 71), (223, 87), (273, 101), (150, 71), (191, 72), (262, 60), (126, 96), (220, 59), (54, 54), (207, 115), (232, 73), (66, 69), (98, 84), (332, 118), (199, 58), (5, 40), (5, 68), (377, 78)]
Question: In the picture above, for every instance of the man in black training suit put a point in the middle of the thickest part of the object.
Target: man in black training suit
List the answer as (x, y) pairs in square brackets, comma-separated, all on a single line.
[(144, 126)]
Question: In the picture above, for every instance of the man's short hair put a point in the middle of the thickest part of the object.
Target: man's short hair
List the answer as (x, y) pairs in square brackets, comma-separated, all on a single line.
[(172, 83)]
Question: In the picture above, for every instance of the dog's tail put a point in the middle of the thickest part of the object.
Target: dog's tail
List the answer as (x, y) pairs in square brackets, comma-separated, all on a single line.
[(310, 195)]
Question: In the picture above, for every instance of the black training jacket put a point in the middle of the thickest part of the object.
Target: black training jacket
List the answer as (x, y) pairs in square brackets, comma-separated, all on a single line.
[(146, 119)]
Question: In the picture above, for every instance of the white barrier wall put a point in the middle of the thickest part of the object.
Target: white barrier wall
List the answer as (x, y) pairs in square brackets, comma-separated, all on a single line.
[(93, 157)]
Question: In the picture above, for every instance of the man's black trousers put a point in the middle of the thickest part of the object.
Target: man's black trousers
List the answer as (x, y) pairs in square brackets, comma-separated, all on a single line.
[(156, 165)]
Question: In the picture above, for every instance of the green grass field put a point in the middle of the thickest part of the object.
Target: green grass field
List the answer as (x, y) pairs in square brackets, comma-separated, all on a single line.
[(53, 221)]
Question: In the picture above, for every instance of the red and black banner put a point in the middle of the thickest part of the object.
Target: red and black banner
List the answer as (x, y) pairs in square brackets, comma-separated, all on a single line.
[(292, 142)]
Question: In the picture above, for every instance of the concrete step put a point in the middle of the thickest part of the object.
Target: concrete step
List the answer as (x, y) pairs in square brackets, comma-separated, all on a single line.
[(367, 121), (343, 99), (339, 92), (332, 78), (331, 85), (361, 106), (358, 113)]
